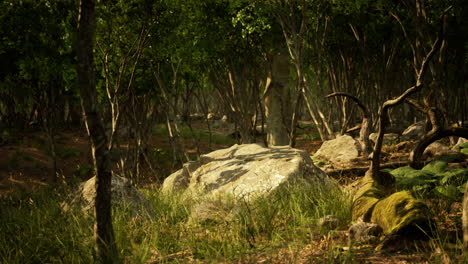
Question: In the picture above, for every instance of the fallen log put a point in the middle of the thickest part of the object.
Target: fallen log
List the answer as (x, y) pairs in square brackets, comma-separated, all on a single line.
[(403, 218)]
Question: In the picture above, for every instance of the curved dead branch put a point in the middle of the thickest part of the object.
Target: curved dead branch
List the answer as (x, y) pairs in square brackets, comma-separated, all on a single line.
[(365, 125)]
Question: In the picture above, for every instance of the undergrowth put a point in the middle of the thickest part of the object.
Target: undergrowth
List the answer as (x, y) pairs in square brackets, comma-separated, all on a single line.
[(34, 229), (273, 229)]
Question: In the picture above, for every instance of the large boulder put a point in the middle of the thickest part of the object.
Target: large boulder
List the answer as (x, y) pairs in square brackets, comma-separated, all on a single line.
[(244, 171), (123, 194), (415, 131), (341, 150)]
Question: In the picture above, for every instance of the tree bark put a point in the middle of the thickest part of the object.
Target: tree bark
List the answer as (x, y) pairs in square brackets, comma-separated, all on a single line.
[(383, 113), (105, 243), (465, 221), (276, 101), (437, 131)]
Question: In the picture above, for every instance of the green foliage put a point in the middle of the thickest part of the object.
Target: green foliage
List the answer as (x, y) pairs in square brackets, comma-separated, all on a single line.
[(35, 230), (463, 148), (436, 179)]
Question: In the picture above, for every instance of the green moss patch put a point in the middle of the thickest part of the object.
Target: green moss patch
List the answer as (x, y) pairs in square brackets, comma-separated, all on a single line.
[(399, 211)]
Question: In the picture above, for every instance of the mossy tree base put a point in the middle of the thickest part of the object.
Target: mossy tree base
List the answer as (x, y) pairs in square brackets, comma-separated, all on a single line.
[(402, 217)]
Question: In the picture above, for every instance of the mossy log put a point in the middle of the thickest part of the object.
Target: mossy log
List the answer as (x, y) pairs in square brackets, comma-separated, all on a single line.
[(402, 217), (366, 198)]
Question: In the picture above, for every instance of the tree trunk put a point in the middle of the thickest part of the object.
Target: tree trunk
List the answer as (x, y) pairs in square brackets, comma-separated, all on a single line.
[(383, 113), (104, 234), (276, 101), (465, 221)]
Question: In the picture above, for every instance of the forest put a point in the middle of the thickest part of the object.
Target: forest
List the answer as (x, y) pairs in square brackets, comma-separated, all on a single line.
[(233, 131)]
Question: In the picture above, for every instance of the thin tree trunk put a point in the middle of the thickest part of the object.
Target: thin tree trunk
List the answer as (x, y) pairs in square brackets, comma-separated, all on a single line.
[(323, 137), (465, 222), (103, 230)]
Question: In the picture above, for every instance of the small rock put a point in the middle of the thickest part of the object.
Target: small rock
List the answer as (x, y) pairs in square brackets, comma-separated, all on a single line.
[(211, 116), (437, 149), (342, 149), (123, 193), (415, 131), (329, 222), (364, 232), (461, 143)]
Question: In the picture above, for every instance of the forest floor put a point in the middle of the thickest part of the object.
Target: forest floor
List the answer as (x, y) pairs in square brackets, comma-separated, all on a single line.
[(26, 165)]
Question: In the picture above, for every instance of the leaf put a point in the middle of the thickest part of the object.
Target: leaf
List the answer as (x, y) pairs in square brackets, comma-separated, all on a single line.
[(449, 192)]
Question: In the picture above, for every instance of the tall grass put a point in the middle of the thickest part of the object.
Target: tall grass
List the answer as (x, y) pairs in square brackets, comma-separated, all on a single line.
[(33, 228)]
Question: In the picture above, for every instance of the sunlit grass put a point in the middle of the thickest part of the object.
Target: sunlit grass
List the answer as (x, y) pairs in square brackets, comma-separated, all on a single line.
[(34, 229)]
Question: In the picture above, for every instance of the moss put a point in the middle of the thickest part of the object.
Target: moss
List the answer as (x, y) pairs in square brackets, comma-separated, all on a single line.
[(402, 217), (464, 151), (400, 211), (365, 199)]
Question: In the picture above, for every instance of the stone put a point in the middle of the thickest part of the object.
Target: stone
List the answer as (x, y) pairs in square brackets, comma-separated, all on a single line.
[(197, 117), (244, 171), (123, 193), (329, 222), (364, 233), (437, 149), (389, 138), (461, 144), (211, 116), (415, 131), (342, 149)]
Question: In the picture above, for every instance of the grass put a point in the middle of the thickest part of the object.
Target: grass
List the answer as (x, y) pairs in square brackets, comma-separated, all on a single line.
[(34, 229), (274, 229)]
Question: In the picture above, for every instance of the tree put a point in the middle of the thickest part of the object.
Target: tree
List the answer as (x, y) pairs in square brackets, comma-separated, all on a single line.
[(465, 221), (103, 230)]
